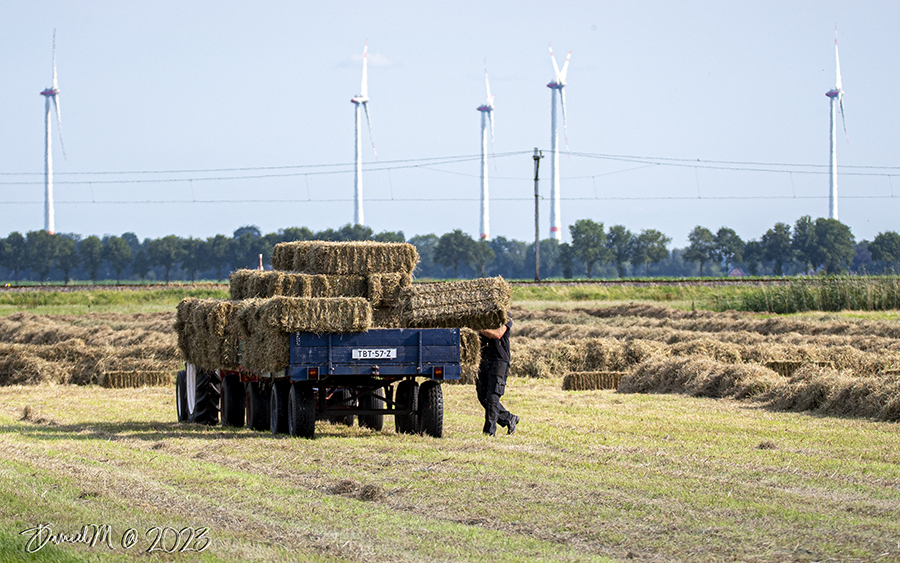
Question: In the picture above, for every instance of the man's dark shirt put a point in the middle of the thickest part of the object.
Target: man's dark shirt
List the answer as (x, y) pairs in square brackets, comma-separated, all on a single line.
[(496, 349)]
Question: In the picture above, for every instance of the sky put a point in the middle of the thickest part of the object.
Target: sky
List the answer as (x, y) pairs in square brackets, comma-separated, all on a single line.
[(196, 118)]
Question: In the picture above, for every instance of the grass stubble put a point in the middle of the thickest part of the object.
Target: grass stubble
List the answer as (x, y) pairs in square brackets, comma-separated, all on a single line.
[(590, 475)]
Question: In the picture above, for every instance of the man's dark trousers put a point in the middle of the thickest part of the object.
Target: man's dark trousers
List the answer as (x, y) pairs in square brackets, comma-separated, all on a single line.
[(491, 386)]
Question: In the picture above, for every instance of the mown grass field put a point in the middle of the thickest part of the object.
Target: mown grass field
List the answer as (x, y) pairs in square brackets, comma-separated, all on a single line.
[(588, 476)]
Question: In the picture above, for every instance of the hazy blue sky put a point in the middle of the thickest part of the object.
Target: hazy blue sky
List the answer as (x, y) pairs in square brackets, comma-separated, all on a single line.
[(266, 87)]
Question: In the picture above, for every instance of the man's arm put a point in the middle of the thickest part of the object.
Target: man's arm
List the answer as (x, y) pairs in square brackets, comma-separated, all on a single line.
[(495, 333)]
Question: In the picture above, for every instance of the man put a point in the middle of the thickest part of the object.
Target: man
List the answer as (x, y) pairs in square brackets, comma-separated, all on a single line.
[(492, 378)]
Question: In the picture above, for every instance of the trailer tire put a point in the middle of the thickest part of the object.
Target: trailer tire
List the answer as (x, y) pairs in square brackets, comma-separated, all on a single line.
[(234, 401), (258, 406), (341, 397), (278, 406), (181, 407), (372, 401), (431, 401), (407, 398), (302, 408), (206, 407)]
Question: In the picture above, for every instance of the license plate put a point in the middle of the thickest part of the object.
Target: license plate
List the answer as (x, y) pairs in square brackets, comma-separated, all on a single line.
[(374, 353)]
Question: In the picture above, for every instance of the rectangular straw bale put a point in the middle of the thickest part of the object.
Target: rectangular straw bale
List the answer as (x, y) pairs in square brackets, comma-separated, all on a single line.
[(384, 289), (354, 258), (319, 315), (590, 380), (386, 317), (476, 304), (250, 284), (469, 355), (207, 333), (123, 379)]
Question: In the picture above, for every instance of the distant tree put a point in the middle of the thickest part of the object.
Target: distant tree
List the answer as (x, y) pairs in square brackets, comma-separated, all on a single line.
[(803, 242), (588, 243), (66, 255), (251, 230), (132, 241), (620, 241), (753, 255), (165, 252), (649, 247), (729, 247), (16, 254), (834, 247), (425, 246), (218, 252), (862, 258), (886, 247), (91, 252), (482, 255), (117, 252), (295, 233), (141, 264), (509, 257), (777, 246), (702, 248), (246, 246), (567, 260), (453, 249), (550, 267), (390, 236), (193, 253), (346, 233), (41, 247)]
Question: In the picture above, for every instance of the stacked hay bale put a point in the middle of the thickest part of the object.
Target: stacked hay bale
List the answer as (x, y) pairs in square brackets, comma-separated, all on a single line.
[(325, 287)]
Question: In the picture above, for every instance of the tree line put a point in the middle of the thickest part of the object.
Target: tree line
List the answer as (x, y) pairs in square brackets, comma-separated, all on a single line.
[(594, 251)]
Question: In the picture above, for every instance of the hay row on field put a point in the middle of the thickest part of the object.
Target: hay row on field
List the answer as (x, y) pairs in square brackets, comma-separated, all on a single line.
[(76, 363), (592, 380), (149, 330), (705, 321), (476, 304), (823, 390), (353, 258), (380, 289), (543, 358)]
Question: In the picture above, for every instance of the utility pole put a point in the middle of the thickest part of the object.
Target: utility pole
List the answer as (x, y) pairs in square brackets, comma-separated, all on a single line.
[(537, 228)]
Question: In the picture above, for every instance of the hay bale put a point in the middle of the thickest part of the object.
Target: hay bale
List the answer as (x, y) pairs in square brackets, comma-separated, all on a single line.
[(383, 290), (591, 380), (207, 333), (359, 258), (476, 304), (386, 317), (124, 379), (701, 377), (469, 355)]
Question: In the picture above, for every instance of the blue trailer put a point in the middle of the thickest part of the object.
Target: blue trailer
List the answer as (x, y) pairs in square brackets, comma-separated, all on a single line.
[(337, 377)]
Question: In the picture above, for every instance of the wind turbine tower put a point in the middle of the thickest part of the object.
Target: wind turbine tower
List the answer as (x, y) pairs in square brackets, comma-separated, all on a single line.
[(361, 100), (558, 85), (50, 93), (837, 101), (487, 114)]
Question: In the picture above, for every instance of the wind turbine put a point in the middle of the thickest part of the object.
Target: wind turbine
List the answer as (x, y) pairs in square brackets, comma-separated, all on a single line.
[(837, 101), (52, 92), (361, 100), (487, 114), (558, 84)]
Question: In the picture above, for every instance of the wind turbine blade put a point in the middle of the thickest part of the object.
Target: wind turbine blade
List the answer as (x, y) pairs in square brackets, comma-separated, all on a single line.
[(555, 66), (491, 118), (565, 69), (487, 86), (844, 123), (59, 124), (55, 84), (562, 99), (837, 62), (369, 122), (364, 89)]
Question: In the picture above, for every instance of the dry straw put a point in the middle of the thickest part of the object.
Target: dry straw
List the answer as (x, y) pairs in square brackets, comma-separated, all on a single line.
[(380, 289), (592, 380), (476, 304), (354, 258)]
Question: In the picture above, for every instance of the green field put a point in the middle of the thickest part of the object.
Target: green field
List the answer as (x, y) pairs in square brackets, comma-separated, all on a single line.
[(588, 476)]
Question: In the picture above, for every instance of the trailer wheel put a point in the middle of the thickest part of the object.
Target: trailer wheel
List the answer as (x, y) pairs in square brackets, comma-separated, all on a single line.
[(234, 401), (407, 398), (341, 397), (181, 396), (431, 400), (278, 406), (302, 408), (372, 401), (257, 406), (206, 405)]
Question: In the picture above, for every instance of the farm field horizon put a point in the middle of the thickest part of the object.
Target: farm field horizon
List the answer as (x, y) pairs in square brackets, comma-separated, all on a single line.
[(654, 474)]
